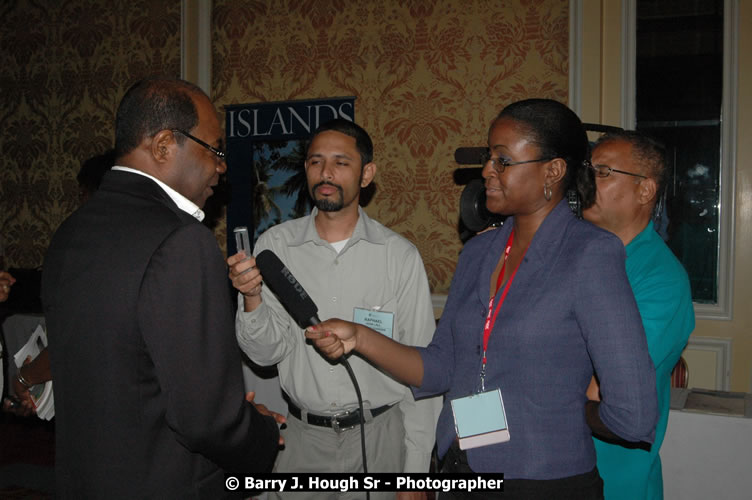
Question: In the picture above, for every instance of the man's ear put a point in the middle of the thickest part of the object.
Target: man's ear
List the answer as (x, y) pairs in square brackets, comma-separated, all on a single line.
[(647, 191), (162, 146), (555, 171), (369, 171)]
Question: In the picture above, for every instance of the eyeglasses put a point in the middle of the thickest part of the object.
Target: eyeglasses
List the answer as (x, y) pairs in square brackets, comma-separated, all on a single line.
[(499, 164), (220, 154), (605, 170)]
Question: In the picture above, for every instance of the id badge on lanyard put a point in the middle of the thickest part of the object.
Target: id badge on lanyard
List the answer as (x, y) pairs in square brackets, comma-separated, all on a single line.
[(480, 419)]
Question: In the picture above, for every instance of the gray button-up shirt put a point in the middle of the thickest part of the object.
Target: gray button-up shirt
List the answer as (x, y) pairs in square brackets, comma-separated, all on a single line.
[(377, 269)]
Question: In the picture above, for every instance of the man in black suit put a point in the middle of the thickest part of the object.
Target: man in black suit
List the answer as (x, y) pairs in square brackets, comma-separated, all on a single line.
[(148, 385)]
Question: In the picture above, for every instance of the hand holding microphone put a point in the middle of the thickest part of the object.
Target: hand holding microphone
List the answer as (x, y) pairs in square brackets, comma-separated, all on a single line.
[(302, 309), (334, 337)]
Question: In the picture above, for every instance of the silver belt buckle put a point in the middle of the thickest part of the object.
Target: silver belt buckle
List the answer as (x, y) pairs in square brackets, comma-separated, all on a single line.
[(335, 422)]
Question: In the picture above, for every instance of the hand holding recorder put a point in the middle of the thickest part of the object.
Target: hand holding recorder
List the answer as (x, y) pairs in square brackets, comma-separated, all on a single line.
[(245, 276)]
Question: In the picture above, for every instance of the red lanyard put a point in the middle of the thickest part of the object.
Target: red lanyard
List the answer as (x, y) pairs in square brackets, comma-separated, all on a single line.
[(492, 313)]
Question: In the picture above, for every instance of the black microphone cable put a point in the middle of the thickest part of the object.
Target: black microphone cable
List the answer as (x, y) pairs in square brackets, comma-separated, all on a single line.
[(301, 307), (362, 415)]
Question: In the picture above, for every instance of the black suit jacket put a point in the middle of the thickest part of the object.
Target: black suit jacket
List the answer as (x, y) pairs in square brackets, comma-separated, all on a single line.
[(146, 369)]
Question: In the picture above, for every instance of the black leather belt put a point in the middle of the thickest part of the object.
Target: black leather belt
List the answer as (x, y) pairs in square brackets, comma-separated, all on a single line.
[(340, 422)]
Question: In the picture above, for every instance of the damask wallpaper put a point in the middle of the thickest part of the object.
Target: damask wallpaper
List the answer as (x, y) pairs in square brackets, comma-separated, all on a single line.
[(429, 75), (65, 67)]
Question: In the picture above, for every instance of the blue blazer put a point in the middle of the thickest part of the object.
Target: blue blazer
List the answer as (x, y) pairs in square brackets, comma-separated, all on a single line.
[(569, 310)]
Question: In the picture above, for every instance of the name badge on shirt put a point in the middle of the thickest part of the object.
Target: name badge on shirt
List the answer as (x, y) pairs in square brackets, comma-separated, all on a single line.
[(381, 321), (480, 419)]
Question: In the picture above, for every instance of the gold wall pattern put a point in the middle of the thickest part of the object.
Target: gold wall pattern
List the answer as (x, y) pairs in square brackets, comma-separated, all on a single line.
[(65, 67), (429, 75)]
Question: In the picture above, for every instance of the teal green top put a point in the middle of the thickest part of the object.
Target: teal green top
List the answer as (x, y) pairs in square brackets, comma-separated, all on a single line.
[(661, 289)]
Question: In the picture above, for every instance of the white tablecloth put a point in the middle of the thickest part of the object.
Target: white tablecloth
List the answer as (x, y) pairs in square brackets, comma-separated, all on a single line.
[(707, 456)]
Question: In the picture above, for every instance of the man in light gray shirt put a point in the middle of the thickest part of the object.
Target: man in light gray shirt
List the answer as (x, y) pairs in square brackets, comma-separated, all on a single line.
[(353, 268)]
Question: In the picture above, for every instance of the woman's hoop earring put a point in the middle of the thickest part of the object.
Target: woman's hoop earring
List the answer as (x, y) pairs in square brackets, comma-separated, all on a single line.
[(547, 192)]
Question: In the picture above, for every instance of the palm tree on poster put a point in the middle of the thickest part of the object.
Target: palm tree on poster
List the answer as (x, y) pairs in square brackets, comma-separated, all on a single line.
[(264, 205), (297, 183)]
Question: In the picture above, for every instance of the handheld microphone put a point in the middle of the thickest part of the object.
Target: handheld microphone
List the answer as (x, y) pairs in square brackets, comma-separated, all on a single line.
[(290, 293), (300, 306)]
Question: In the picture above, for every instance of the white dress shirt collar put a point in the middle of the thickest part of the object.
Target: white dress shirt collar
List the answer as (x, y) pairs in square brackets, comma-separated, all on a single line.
[(181, 201)]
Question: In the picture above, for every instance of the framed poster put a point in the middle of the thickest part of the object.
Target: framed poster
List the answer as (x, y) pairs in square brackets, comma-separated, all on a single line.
[(266, 145)]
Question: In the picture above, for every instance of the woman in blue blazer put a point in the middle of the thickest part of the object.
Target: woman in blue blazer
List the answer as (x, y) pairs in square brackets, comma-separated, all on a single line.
[(534, 308)]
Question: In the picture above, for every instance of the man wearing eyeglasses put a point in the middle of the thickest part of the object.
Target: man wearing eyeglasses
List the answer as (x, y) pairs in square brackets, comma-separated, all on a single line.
[(148, 387), (630, 172)]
